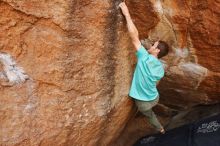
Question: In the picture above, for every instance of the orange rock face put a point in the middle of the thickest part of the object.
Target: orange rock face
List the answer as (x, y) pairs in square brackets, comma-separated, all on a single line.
[(80, 62), (76, 94)]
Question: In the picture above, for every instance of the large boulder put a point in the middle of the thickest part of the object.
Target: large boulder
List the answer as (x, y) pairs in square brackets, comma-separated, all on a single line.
[(79, 61)]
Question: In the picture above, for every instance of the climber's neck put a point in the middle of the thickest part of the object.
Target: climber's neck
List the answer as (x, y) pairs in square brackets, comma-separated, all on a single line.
[(155, 55)]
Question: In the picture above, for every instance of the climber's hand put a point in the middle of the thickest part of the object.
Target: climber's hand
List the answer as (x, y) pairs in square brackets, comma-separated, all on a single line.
[(124, 9), (154, 46)]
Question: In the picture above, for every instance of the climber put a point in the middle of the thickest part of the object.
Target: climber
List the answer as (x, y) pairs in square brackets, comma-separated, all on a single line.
[(149, 70)]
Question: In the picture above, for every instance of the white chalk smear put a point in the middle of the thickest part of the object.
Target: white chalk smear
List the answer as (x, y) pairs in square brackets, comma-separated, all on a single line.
[(195, 71), (183, 53), (11, 71)]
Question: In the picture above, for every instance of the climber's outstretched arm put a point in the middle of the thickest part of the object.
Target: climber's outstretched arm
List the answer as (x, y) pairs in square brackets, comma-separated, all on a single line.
[(133, 32)]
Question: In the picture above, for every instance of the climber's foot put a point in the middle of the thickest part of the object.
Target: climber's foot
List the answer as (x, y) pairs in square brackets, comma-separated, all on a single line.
[(162, 131)]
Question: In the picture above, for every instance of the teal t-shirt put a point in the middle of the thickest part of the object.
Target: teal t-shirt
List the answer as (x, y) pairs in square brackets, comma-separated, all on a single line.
[(149, 70)]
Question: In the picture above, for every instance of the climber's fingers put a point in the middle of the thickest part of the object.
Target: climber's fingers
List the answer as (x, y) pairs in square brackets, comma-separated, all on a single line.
[(155, 44), (122, 5), (124, 8)]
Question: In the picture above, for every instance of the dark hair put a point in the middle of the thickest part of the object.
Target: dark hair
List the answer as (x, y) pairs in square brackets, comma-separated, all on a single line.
[(164, 49)]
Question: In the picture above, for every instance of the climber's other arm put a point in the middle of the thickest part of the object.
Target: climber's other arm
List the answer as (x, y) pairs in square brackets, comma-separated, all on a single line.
[(132, 30)]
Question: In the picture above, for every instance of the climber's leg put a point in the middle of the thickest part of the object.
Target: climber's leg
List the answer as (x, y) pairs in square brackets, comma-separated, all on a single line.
[(145, 107), (153, 119)]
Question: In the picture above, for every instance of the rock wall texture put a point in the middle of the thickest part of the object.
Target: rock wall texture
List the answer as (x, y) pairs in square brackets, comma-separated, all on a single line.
[(79, 61)]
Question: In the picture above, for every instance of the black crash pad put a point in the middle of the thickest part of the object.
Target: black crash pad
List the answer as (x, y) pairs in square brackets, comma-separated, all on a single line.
[(205, 132)]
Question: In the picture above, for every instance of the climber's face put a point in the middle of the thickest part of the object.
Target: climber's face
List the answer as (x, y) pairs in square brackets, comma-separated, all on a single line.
[(153, 49)]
